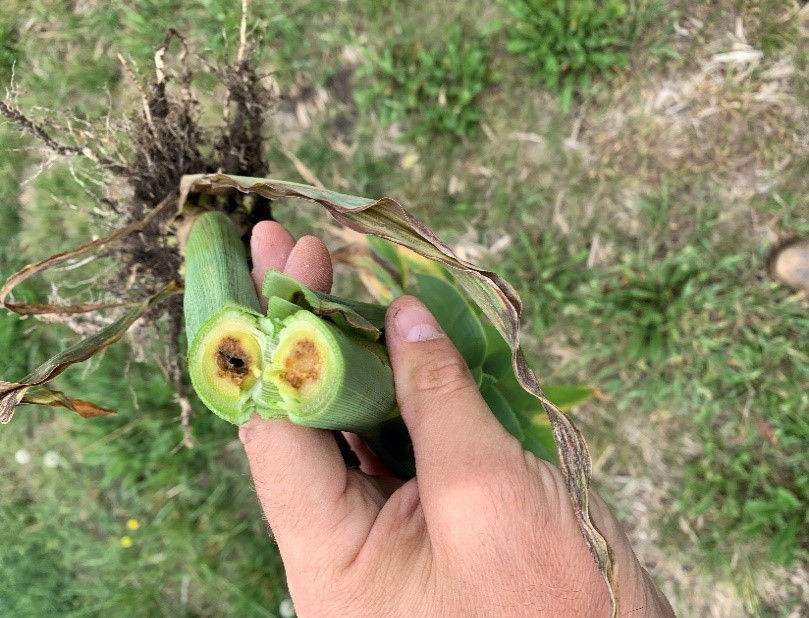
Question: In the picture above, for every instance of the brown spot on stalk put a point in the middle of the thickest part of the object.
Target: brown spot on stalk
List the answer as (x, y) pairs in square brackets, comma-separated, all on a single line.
[(232, 360), (302, 364)]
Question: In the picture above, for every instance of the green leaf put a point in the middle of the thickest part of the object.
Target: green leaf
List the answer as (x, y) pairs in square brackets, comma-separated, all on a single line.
[(366, 318), (388, 252), (538, 439), (455, 316), (567, 95), (567, 396), (279, 308), (520, 399), (498, 354), (501, 407)]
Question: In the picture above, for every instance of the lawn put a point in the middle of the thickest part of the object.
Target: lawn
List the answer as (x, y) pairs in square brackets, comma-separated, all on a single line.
[(631, 190)]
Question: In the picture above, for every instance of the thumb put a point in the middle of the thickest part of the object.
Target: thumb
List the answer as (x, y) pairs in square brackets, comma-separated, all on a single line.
[(454, 432)]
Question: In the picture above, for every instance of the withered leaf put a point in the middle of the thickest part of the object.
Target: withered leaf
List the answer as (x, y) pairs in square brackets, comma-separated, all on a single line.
[(386, 218), (45, 396), (380, 282), (13, 394), (32, 269)]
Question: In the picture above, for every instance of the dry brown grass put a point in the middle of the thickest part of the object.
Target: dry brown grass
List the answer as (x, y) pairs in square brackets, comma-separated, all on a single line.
[(733, 115)]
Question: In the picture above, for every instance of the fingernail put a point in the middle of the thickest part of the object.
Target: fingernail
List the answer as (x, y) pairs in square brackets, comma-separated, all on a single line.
[(415, 323)]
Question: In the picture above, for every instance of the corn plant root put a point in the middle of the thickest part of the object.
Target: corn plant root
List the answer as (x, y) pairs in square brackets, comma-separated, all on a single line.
[(140, 157)]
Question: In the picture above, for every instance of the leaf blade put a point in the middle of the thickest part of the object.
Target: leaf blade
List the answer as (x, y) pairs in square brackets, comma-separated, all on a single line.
[(456, 317), (13, 394)]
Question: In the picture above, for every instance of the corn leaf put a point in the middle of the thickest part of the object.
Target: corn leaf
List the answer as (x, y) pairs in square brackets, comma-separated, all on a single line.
[(412, 264), (501, 407), (381, 278), (388, 252), (496, 299), (45, 396), (538, 439), (366, 318), (498, 355), (32, 269), (378, 281), (31, 389), (456, 317), (406, 262), (567, 396)]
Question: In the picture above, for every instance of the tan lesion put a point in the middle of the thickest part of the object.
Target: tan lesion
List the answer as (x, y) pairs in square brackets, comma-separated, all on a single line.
[(302, 365), (232, 361)]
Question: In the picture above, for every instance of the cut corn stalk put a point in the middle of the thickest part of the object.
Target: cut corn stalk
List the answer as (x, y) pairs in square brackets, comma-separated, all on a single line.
[(323, 370), (222, 315), (313, 358), (328, 378)]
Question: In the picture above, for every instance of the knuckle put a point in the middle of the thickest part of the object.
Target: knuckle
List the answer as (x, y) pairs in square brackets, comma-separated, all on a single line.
[(491, 491), (506, 488), (441, 376)]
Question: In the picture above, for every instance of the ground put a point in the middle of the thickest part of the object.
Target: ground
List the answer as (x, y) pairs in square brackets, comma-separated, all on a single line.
[(637, 228)]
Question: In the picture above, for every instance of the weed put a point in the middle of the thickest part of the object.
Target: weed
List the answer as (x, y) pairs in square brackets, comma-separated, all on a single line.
[(773, 25), (750, 482), (648, 298), (547, 273), (712, 341), (432, 89), (569, 43)]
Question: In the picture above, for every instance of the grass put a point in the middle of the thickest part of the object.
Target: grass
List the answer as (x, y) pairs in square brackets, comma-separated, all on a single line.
[(687, 324), (568, 44), (434, 90), (638, 243), (201, 546)]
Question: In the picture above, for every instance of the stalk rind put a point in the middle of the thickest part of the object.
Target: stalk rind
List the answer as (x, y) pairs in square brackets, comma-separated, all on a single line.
[(225, 362), (222, 313), (216, 271), (330, 379)]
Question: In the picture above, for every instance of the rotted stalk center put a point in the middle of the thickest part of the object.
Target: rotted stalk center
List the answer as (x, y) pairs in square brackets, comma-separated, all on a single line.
[(302, 365), (233, 361)]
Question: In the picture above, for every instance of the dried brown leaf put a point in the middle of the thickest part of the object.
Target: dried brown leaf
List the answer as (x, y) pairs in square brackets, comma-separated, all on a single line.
[(45, 396), (32, 269), (13, 394)]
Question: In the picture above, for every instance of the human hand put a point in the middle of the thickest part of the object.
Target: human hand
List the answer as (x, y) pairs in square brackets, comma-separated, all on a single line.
[(484, 529)]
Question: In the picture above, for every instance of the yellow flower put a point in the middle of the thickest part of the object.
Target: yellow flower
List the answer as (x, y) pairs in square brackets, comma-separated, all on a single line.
[(133, 524), (126, 541)]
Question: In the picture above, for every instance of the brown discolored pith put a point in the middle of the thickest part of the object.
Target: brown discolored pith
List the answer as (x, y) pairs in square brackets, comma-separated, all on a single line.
[(232, 360), (302, 364)]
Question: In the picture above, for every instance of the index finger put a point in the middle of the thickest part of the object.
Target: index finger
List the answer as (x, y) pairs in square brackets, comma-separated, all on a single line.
[(299, 474)]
